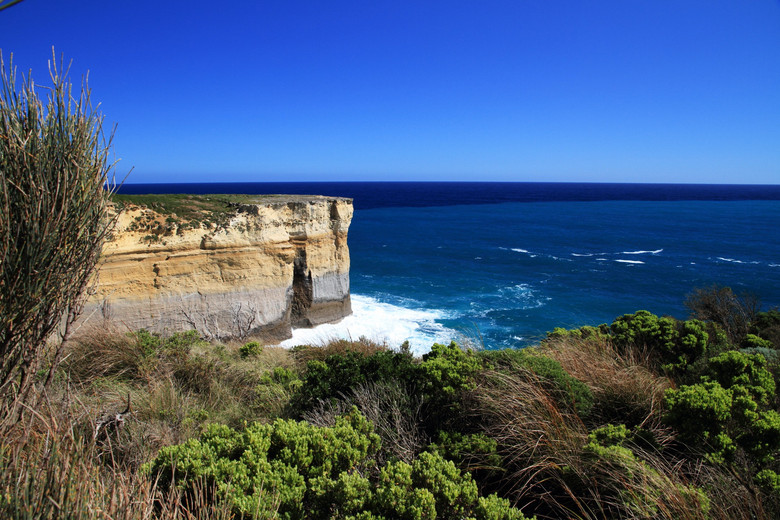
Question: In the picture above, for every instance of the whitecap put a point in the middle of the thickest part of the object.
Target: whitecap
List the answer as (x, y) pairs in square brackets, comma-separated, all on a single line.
[(383, 323), (774, 265), (641, 252), (732, 260), (518, 250), (582, 254), (633, 262)]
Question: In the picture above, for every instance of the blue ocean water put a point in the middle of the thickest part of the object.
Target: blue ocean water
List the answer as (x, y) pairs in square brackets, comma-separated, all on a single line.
[(499, 264)]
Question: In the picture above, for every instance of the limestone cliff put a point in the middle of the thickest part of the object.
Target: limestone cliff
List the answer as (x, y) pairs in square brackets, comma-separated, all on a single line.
[(256, 267)]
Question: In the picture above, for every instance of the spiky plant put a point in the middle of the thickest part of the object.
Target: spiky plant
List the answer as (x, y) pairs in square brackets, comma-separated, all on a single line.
[(54, 169)]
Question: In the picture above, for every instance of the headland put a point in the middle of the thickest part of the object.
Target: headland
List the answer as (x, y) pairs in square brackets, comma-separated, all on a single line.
[(229, 266)]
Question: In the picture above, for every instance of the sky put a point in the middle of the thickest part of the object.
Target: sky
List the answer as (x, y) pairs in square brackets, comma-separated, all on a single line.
[(517, 90)]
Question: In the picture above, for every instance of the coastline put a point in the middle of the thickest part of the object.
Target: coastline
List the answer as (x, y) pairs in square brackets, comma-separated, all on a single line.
[(383, 323)]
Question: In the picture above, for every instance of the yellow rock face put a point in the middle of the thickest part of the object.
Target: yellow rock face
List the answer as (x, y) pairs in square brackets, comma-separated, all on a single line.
[(274, 265)]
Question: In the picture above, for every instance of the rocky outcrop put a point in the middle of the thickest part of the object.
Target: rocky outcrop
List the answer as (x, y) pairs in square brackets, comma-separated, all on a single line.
[(257, 270)]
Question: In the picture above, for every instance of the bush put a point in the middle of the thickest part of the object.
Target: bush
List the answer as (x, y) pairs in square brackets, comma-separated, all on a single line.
[(700, 413), (677, 344), (295, 470), (586, 332), (338, 374), (733, 313), (730, 413), (54, 167), (446, 370), (766, 325), (746, 370), (251, 349)]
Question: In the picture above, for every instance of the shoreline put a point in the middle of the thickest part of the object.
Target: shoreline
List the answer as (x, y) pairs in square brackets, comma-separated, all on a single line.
[(382, 322)]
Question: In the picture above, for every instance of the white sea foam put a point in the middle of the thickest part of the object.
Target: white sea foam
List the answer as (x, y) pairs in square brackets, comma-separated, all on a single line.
[(629, 261), (732, 260), (582, 254), (518, 250), (381, 322), (641, 252)]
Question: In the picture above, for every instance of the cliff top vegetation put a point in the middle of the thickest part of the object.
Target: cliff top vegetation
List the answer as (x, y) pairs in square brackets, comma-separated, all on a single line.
[(179, 211), (647, 417), (191, 206)]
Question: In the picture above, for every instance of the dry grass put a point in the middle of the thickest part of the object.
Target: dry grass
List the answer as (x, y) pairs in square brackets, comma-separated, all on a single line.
[(623, 386), (553, 473), (104, 351), (50, 470), (535, 437)]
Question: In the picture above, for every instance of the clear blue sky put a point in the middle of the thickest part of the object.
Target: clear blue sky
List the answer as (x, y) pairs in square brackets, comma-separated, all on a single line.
[(516, 90)]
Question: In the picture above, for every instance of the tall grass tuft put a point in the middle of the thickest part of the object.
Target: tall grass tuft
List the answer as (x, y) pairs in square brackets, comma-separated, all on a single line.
[(624, 387), (49, 470), (555, 469), (54, 168)]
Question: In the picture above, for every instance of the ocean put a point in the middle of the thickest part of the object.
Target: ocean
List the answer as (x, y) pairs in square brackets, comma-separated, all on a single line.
[(498, 265)]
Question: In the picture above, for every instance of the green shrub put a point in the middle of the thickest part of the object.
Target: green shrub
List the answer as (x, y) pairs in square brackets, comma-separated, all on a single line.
[(251, 349), (733, 368), (677, 344), (732, 412), (766, 325), (469, 451), (756, 342), (700, 413), (586, 332), (448, 369), (339, 373), (610, 435), (443, 372), (293, 470), (768, 480), (629, 487)]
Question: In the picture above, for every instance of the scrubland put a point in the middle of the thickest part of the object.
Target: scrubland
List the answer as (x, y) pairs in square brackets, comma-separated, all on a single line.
[(647, 417)]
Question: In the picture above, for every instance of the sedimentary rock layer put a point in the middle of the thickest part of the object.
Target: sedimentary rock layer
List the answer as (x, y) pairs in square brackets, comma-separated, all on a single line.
[(277, 263)]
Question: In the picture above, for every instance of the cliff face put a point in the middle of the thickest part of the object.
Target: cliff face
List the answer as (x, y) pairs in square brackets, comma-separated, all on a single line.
[(267, 266)]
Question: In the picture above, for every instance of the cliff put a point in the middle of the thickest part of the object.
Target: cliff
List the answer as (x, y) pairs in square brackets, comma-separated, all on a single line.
[(228, 266)]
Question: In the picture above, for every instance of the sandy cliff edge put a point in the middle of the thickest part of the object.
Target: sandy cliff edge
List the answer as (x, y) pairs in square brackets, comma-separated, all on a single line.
[(256, 268)]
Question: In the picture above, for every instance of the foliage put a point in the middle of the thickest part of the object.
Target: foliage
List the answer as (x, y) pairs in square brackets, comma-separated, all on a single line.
[(447, 370), (731, 412), (568, 390), (251, 349), (54, 166), (472, 451), (134, 356), (766, 325), (585, 332), (339, 373), (733, 313), (629, 486), (678, 344), (749, 371), (297, 470)]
